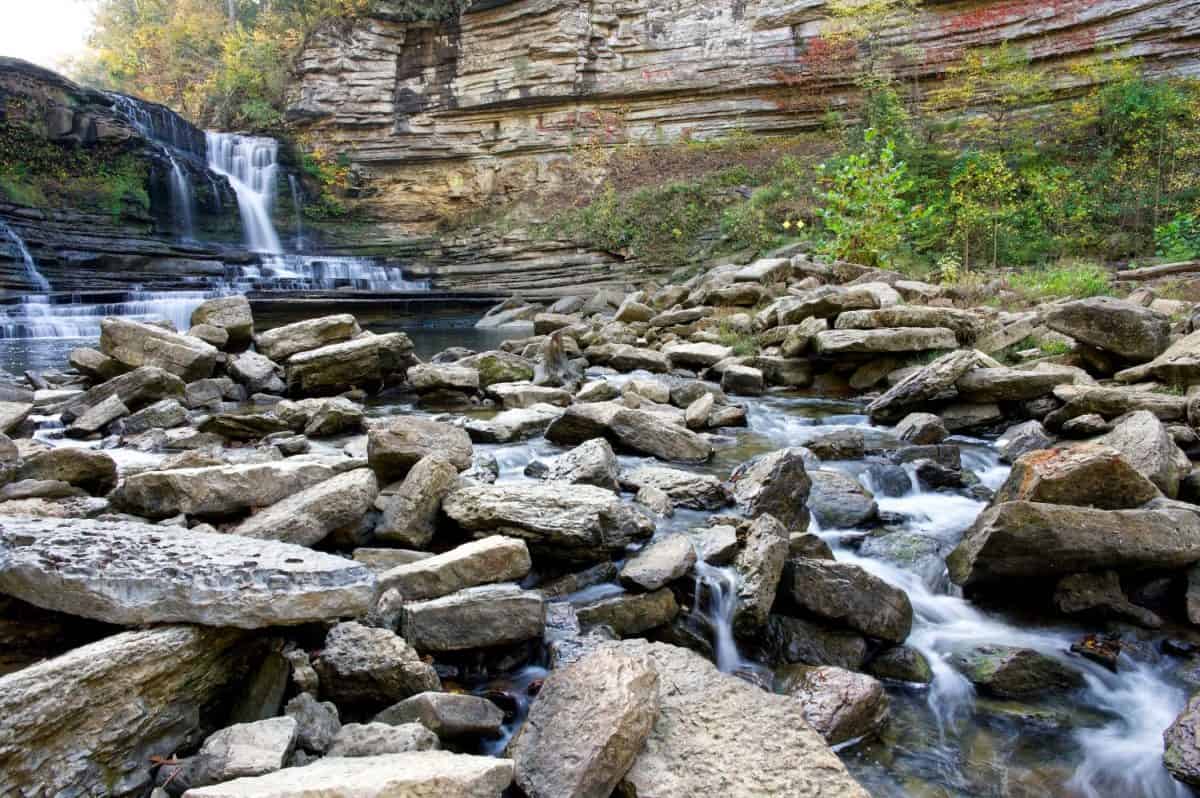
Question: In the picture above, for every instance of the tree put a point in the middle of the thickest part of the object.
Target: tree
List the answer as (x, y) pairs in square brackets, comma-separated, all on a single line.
[(982, 194), (864, 208)]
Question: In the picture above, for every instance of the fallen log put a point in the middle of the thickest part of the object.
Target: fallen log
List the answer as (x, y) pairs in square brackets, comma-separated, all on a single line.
[(1150, 272)]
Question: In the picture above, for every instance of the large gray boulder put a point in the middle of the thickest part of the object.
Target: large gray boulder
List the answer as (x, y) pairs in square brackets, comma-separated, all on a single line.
[(715, 732), (587, 726), (844, 594), (840, 704), (135, 389), (630, 614), (1182, 741), (639, 431), (1013, 672), (361, 363), (410, 512), (259, 374), (416, 774), (448, 715), (1088, 475), (1029, 539), (789, 641), (478, 617), (130, 573), (1178, 365), (247, 749), (63, 709), (1008, 385), (374, 739), (839, 501), (590, 463), (512, 425), (308, 517), (95, 472), (217, 490), (281, 343), (363, 666), (492, 559), (775, 484), (759, 566), (135, 344), (232, 314), (659, 563), (933, 382), (570, 522), (1114, 325), (1147, 445), (686, 488), (905, 339), (399, 443)]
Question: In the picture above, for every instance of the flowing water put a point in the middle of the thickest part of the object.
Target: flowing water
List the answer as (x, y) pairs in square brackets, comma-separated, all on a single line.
[(250, 164), (32, 274), (171, 136)]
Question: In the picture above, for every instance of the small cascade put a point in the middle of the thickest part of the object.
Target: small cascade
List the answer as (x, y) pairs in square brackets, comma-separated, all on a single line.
[(42, 317), (250, 164), (31, 270), (715, 603), (298, 204), (324, 273), (170, 134)]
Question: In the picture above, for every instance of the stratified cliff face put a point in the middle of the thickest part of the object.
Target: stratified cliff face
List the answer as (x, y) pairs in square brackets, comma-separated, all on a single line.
[(439, 119)]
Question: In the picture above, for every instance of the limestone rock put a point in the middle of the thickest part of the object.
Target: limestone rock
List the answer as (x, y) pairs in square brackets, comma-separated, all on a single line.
[(396, 446), (696, 356), (630, 614), (686, 489), (231, 314), (844, 593), (281, 343), (776, 484), (741, 380), (1147, 445), (93, 471), (478, 617), (587, 726), (1114, 325), (921, 429), (512, 425), (448, 715), (840, 704), (1084, 475), (426, 377), (1099, 596), (247, 749), (217, 490), (410, 513), (759, 566), (136, 389), (1182, 741), (839, 501), (929, 383), (135, 344), (363, 666), (422, 773), (574, 522), (590, 463), (259, 374), (308, 517), (63, 708), (526, 394), (983, 385), (130, 573), (360, 363), (659, 563), (1011, 672), (492, 559), (376, 739), (1021, 439), (317, 723), (788, 640), (909, 339)]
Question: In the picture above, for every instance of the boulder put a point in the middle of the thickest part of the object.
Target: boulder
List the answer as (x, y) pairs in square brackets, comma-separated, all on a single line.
[(308, 517), (645, 432), (1012, 672), (686, 488), (130, 573), (840, 704), (368, 667), (135, 344), (427, 377), (318, 418), (901, 664), (361, 363), (492, 559), (63, 709), (571, 522), (317, 722), (247, 749), (715, 732), (448, 715), (1179, 364), (231, 314), (259, 374), (1099, 596), (659, 563), (921, 429), (839, 501), (499, 367), (1028, 539), (135, 389), (478, 617), (696, 356), (97, 418), (397, 445), (788, 640), (512, 425), (1113, 402), (966, 324), (1021, 439), (375, 739), (1130, 331), (281, 343), (13, 414), (1182, 741), (630, 614), (1084, 475), (380, 560), (906, 339), (590, 463), (587, 726), (164, 414), (410, 513), (933, 382), (776, 484), (740, 380), (525, 394), (1147, 445), (759, 566), (827, 302), (209, 334), (217, 490), (94, 364), (845, 594), (624, 357), (90, 470), (420, 773)]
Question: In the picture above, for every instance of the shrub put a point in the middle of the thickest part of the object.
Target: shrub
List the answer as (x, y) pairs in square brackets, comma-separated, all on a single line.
[(1075, 280)]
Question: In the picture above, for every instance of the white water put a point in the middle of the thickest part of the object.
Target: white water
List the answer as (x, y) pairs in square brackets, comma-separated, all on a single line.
[(169, 134), (37, 317), (250, 164), (715, 603), (34, 276)]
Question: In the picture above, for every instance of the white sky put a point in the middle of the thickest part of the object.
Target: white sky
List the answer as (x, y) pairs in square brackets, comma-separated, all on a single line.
[(44, 31)]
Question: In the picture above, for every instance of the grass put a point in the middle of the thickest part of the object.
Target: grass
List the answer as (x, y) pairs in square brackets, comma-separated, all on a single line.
[(1066, 280), (743, 344)]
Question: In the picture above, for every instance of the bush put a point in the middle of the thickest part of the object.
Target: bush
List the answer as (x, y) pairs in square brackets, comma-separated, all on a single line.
[(1075, 280), (1178, 239)]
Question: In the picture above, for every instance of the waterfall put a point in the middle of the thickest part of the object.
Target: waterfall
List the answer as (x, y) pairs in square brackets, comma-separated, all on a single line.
[(181, 201), (298, 204), (31, 270), (41, 317), (716, 602), (250, 165)]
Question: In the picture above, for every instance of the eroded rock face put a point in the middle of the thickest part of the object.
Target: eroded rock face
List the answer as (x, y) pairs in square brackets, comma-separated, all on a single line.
[(156, 681), (130, 573), (587, 726), (135, 344), (575, 522)]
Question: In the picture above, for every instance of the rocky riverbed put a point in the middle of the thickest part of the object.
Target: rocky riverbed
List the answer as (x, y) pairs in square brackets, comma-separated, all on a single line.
[(611, 555)]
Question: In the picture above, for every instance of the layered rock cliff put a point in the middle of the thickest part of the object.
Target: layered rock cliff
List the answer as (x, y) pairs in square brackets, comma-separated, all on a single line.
[(439, 119)]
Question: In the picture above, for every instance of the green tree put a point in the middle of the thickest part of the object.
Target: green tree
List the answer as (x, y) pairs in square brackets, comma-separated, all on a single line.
[(982, 194), (864, 210)]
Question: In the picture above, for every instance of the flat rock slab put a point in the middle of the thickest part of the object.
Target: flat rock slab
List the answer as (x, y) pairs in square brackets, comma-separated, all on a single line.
[(410, 775), (218, 490), (130, 573)]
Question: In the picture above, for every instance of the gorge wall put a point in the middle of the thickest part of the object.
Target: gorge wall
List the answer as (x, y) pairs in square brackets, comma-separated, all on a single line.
[(440, 119)]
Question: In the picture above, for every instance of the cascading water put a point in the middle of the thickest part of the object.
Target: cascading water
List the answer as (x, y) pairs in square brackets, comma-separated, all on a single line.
[(250, 164), (298, 204), (715, 602), (170, 135), (35, 277)]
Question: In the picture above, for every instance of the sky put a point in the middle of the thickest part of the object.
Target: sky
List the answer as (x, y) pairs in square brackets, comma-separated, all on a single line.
[(44, 31)]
